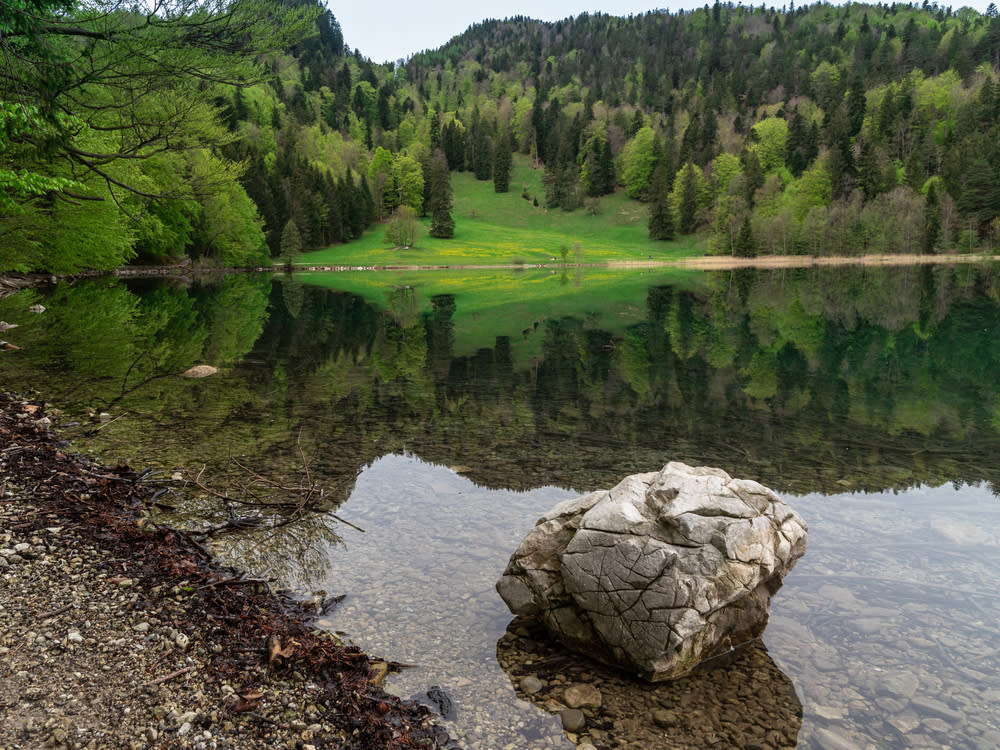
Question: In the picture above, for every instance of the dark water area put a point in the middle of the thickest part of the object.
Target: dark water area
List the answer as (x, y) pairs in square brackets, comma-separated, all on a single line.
[(443, 415)]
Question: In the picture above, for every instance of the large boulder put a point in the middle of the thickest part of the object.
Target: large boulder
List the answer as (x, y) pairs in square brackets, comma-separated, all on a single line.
[(660, 573)]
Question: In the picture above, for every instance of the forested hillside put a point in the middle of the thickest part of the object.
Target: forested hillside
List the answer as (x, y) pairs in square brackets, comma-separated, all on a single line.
[(237, 132)]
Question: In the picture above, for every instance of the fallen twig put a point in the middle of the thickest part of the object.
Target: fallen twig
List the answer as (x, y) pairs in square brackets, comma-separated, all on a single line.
[(95, 430), (348, 523), (168, 677), (233, 582), (54, 612)]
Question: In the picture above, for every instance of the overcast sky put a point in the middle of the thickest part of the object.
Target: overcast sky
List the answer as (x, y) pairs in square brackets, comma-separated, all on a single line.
[(391, 29)]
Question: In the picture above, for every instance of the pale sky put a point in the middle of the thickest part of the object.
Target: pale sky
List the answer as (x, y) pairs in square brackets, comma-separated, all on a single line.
[(387, 30), (392, 29)]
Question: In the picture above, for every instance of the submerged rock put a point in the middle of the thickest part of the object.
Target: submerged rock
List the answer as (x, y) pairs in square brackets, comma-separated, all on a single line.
[(660, 573), (199, 371)]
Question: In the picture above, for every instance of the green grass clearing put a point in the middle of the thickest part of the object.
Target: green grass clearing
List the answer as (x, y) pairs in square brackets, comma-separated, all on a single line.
[(506, 228)]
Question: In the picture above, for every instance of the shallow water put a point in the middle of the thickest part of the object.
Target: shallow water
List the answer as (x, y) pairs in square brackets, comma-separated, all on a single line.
[(421, 579), (446, 424), (888, 627)]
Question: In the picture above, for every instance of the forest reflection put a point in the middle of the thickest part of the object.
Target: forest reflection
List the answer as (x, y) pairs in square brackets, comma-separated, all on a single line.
[(809, 380)]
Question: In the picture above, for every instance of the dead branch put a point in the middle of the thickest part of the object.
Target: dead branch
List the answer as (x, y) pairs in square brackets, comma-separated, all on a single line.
[(232, 523), (303, 497), (167, 677), (348, 523), (54, 612), (233, 582)]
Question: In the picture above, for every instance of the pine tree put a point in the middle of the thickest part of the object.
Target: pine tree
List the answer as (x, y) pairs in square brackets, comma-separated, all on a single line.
[(980, 194), (291, 240), (932, 220), (502, 163), (453, 139), (606, 167), (754, 175), (442, 223), (689, 199), (802, 144), (661, 213), (482, 162), (869, 173), (856, 105), (746, 245)]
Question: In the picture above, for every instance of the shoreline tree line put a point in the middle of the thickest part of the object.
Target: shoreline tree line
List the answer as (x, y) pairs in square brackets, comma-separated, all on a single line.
[(233, 133)]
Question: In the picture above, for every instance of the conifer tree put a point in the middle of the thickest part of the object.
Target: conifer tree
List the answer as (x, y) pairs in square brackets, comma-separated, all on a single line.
[(754, 174), (442, 223), (689, 199), (482, 162), (746, 245), (661, 213), (502, 163), (932, 220), (291, 240)]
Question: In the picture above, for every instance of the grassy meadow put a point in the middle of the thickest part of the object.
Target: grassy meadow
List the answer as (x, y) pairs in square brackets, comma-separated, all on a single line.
[(509, 229)]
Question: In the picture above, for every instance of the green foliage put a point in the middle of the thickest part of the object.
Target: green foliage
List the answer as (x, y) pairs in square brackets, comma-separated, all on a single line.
[(442, 223), (686, 187), (724, 168), (812, 190), (817, 121), (113, 94), (502, 163), (482, 163), (661, 212), (772, 143), (403, 228), (408, 181), (932, 220), (291, 241), (746, 245), (638, 162)]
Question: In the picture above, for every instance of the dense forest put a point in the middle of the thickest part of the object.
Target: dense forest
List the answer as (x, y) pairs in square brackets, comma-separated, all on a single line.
[(233, 133)]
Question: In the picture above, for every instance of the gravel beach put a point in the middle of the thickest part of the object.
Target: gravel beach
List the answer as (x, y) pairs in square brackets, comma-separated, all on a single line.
[(115, 633)]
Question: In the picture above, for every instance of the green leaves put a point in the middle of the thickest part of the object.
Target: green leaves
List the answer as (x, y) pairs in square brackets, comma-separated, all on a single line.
[(119, 102)]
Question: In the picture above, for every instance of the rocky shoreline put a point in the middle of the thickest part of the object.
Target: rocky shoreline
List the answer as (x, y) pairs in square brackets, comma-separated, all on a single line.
[(116, 633)]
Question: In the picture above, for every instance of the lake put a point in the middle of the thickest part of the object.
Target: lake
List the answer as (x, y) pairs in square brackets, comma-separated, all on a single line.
[(443, 413)]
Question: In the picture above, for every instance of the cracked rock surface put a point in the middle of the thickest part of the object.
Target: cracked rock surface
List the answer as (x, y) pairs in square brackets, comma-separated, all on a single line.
[(660, 573)]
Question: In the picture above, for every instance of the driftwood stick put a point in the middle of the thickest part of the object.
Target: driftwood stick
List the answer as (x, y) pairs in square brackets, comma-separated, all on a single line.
[(233, 582), (54, 612), (348, 523), (263, 718), (305, 464), (168, 677)]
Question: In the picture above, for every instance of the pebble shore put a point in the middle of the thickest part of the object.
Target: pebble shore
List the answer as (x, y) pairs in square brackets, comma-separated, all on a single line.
[(117, 634)]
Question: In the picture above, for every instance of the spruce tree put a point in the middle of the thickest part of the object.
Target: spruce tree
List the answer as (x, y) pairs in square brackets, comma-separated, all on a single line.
[(689, 199), (291, 240), (442, 223), (502, 163), (482, 162), (746, 245), (932, 220), (606, 167), (661, 213), (754, 175)]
